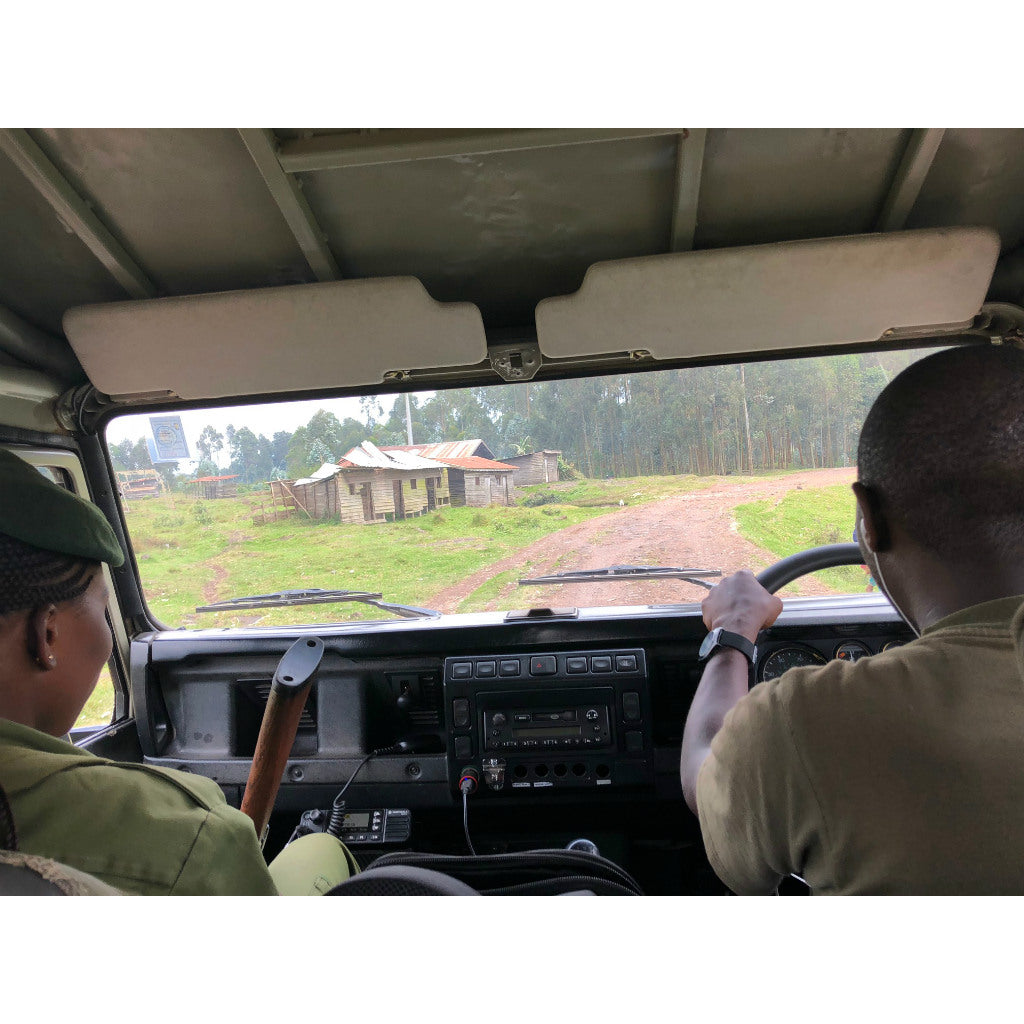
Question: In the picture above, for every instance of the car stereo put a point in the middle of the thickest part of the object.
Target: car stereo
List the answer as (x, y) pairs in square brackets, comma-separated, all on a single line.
[(551, 721)]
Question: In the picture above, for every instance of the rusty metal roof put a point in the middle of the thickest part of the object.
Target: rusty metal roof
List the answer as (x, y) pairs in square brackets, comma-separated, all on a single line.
[(475, 462)]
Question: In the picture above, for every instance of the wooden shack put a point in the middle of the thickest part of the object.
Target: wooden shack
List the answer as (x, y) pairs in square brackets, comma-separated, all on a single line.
[(211, 487), (475, 478), (367, 486), (535, 467)]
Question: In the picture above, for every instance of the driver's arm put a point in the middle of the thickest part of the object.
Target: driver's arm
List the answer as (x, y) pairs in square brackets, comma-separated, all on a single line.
[(741, 605)]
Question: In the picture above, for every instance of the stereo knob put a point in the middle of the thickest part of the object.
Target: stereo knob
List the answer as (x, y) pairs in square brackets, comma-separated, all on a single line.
[(498, 719)]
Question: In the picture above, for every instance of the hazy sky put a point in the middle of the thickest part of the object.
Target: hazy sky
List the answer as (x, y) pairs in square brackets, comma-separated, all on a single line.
[(260, 419)]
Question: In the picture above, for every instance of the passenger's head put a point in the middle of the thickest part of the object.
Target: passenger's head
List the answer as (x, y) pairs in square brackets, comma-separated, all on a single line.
[(942, 453), (54, 637)]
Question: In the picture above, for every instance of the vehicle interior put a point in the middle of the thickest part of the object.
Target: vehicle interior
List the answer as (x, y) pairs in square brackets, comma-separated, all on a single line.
[(202, 277)]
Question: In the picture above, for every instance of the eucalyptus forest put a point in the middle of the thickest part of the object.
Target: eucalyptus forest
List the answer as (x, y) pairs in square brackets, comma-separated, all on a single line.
[(743, 418)]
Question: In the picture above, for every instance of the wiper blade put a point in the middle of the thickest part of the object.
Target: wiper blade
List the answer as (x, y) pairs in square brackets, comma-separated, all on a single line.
[(628, 572), (316, 595)]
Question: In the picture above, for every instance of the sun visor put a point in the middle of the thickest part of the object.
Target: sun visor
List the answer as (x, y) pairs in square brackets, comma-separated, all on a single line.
[(293, 338), (766, 298)]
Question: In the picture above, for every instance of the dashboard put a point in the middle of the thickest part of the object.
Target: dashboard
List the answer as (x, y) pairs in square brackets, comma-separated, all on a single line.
[(573, 724)]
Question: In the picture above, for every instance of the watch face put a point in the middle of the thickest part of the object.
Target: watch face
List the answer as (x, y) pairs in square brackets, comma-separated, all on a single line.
[(710, 643)]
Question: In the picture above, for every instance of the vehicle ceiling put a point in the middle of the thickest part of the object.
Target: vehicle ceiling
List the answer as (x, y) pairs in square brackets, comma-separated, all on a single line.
[(498, 218)]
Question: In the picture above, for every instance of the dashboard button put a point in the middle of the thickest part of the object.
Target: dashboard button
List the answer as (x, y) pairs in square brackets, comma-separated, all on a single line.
[(625, 663), (631, 706), (485, 669), (545, 665), (575, 664), (462, 670), (509, 668), (634, 741), (463, 748), (460, 712), (601, 663)]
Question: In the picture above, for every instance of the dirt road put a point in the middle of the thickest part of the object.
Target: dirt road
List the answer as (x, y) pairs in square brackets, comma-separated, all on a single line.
[(692, 530)]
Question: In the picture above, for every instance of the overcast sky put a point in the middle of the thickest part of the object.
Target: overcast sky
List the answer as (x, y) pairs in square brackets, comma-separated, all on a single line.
[(260, 419)]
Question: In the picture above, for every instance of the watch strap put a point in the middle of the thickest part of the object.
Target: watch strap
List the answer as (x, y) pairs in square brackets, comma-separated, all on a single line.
[(735, 641)]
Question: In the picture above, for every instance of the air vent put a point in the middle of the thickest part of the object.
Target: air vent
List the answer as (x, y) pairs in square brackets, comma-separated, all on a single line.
[(418, 697), (260, 690)]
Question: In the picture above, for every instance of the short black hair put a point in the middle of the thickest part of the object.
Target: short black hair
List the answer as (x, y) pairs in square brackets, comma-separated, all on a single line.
[(943, 450), (31, 577)]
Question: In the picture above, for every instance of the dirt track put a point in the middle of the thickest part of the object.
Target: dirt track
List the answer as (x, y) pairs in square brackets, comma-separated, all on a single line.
[(692, 530)]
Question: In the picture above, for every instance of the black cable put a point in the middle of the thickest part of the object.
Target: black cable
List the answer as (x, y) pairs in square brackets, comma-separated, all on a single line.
[(338, 805), (465, 821)]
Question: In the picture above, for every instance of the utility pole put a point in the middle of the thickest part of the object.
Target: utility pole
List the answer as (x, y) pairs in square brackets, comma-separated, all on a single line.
[(746, 419), (408, 419)]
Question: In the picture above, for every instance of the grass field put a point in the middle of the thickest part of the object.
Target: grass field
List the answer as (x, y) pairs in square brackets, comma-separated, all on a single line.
[(805, 519)]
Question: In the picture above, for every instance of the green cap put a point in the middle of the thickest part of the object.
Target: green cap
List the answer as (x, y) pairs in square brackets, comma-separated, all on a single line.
[(38, 512)]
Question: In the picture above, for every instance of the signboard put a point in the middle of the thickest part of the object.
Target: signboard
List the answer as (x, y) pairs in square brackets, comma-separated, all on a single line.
[(169, 444)]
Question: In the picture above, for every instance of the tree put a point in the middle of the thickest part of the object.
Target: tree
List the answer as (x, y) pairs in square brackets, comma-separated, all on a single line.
[(210, 442)]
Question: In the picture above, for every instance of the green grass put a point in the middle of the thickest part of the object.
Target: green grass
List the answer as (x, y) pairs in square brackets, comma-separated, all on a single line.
[(627, 490), (99, 708), (187, 559), (805, 519)]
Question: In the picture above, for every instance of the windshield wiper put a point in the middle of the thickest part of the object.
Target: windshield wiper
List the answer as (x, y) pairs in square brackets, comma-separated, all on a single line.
[(628, 572), (316, 595)]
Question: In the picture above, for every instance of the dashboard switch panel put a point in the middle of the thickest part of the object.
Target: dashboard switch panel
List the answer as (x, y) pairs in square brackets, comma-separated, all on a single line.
[(574, 719)]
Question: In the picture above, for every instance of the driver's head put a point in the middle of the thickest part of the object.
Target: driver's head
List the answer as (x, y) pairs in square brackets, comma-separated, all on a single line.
[(942, 451)]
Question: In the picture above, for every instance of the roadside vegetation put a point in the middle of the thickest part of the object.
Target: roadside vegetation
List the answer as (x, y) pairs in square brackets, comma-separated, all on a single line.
[(805, 519)]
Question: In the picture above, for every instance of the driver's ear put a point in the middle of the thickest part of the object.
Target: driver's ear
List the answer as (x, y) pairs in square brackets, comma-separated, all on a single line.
[(873, 528)]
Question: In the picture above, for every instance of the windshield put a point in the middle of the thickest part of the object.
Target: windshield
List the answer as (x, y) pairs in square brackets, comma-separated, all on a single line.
[(445, 500)]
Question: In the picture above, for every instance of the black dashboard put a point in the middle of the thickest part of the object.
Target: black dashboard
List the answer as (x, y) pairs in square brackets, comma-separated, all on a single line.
[(573, 724)]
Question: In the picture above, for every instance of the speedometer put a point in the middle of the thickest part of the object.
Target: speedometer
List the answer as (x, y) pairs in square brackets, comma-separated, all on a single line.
[(791, 656)]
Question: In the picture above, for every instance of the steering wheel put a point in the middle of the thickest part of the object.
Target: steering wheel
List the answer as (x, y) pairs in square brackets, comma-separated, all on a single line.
[(826, 557)]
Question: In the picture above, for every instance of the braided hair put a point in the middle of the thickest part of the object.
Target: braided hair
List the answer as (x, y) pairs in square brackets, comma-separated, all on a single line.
[(30, 576)]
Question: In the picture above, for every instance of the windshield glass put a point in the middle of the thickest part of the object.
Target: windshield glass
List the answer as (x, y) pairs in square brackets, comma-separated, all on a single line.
[(447, 500)]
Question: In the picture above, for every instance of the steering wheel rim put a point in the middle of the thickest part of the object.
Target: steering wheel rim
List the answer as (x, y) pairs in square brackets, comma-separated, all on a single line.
[(828, 556)]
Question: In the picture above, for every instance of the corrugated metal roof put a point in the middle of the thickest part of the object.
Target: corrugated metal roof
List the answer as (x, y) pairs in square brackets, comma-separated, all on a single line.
[(212, 479), (475, 462), (325, 472), (443, 450), (369, 456)]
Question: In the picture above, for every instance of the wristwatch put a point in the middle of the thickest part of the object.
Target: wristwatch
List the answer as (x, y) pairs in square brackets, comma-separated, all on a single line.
[(719, 638)]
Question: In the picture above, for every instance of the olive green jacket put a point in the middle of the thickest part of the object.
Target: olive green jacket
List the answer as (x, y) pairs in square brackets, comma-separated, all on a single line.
[(143, 830)]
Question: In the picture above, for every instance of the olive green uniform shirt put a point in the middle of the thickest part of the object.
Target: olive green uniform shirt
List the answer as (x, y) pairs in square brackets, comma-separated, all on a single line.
[(898, 773), (146, 831)]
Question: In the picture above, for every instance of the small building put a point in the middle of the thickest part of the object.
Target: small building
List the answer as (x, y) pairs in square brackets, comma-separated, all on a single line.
[(535, 468), (213, 486), (367, 486), (479, 482), (139, 483), (475, 478)]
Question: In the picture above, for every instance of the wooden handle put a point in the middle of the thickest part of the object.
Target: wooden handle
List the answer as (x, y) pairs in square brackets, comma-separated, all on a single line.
[(292, 681)]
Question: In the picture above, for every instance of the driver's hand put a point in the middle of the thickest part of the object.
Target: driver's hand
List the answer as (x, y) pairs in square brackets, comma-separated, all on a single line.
[(740, 604)]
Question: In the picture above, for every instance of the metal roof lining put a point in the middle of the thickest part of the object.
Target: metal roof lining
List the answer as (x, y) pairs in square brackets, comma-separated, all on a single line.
[(502, 219)]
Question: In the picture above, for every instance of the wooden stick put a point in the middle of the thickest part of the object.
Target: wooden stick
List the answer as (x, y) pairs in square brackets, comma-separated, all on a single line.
[(292, 681)]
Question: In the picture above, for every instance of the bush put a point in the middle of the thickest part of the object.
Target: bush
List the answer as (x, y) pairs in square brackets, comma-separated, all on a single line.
[(567, 471), (168, 521), (201, 513), (540, 498)]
